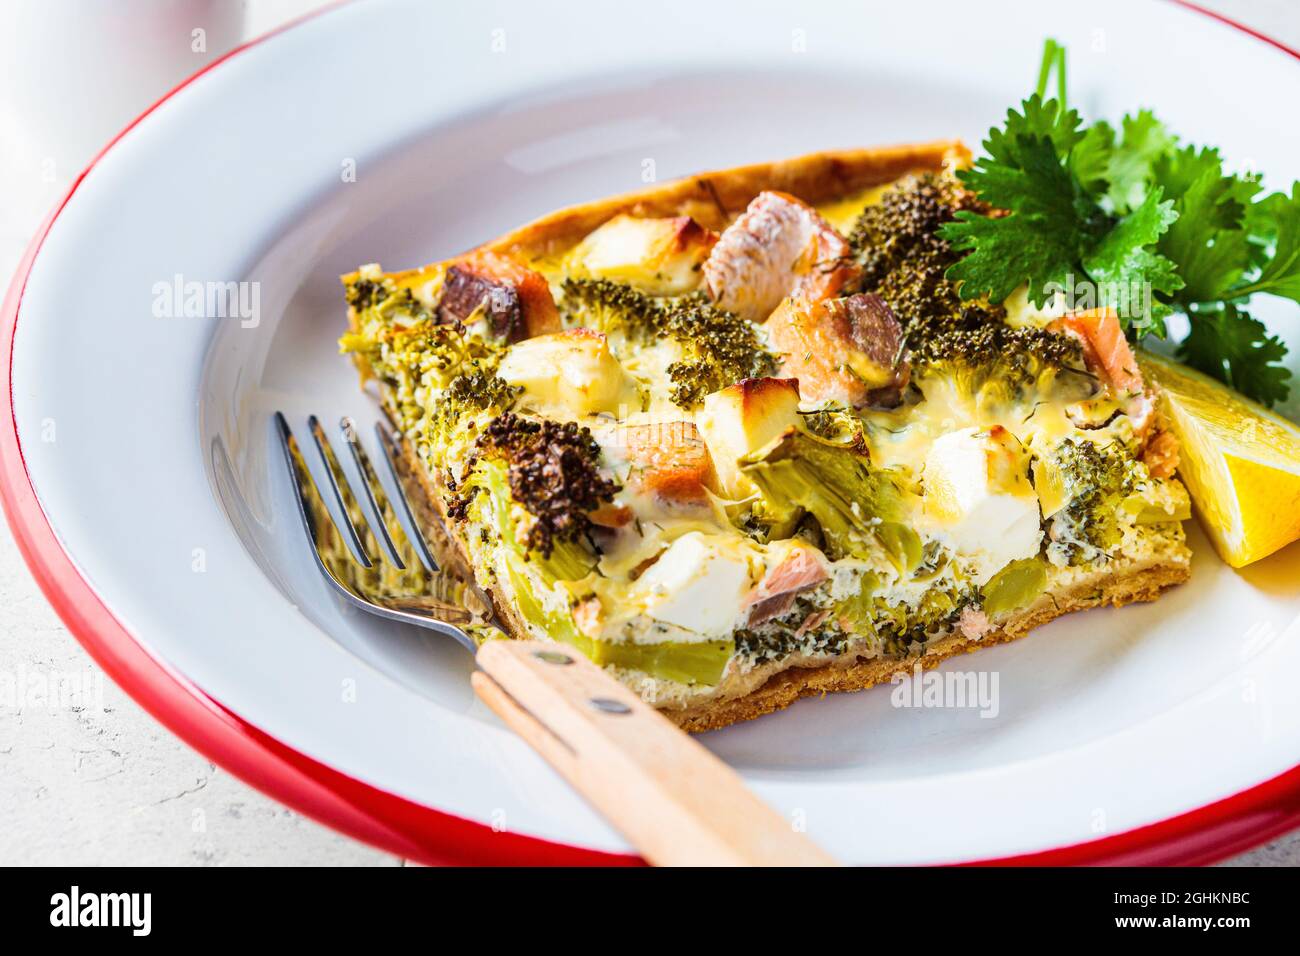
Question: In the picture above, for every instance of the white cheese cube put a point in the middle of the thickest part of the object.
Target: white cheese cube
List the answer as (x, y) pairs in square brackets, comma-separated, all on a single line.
[(742, 418), (661, 256), (695, 586), (573, 370), (977, 493)]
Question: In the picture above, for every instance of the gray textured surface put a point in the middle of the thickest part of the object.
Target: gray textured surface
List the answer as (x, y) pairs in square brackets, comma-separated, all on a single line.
[(102, 782)]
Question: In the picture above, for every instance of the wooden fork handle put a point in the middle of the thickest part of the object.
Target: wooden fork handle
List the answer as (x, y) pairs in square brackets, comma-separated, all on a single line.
[(676, 802)]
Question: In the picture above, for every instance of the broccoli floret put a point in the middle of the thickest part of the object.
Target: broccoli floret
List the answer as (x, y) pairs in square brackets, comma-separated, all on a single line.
[(904, 224), (864, 615), (1097, 478), (977, 352), (904, 261), (610, 307), (900, 626), (477, 390), (365, 293), (414, 358), (402, 344), (470, 393), (553, 472), (868, 614), (718, 347), (388, 302), (1001, 367), (857, 508)]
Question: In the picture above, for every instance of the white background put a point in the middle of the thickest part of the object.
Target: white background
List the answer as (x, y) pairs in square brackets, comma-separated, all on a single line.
[(102, 783)]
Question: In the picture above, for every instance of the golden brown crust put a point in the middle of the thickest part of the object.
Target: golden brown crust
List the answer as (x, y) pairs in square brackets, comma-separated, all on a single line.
[(785, 688)]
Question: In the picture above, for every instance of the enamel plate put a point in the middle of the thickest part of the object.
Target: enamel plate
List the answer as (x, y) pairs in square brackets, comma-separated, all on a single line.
[(145, 487)]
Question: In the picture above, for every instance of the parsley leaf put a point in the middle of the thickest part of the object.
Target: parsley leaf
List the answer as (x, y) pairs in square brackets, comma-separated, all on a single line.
[(1007, 252), (1275, 221), (1207, 241), (1228, 344), (1056, 230), (1040, 240), (1145, 140), (1132, 271), (1091, 158), (1130, 219)]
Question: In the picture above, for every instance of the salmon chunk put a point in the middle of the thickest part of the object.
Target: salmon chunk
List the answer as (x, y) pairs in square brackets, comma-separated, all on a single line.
[(841, 350), (1161, 454), (515, 300), (779, 247), (1105, 349), (802, 568), (668, 460)]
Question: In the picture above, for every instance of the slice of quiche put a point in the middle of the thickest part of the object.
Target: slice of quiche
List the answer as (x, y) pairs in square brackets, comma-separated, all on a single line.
[(737, 439)]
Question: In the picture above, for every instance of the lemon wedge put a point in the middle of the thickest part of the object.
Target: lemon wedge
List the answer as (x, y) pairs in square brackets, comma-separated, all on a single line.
[(1240, 462)]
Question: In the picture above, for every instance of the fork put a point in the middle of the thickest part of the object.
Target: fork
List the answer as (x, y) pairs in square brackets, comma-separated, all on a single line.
[(675, 801)]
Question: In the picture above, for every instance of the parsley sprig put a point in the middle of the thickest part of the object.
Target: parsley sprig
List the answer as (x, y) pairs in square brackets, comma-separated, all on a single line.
[(1161, 226)]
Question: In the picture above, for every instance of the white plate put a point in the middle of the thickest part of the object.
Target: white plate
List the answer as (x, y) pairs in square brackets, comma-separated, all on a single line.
[(148, 444)]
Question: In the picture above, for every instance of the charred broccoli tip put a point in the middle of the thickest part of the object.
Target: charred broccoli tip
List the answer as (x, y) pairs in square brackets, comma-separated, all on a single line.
[(554, 474)]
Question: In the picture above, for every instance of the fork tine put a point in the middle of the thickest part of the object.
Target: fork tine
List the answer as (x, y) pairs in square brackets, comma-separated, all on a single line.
[(354, 520), (437, 600), (390, 528), (321, 528), (391, 456)]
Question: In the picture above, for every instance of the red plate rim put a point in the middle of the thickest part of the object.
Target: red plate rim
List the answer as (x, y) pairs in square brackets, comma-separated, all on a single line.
[(418, 832)]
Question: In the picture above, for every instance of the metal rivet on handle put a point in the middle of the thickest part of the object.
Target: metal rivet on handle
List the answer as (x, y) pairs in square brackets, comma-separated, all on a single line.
[(609, 705), (553, 657)]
